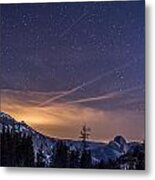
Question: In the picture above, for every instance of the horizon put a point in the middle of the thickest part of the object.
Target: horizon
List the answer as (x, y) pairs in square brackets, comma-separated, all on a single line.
[(69, 64), (76, 139)]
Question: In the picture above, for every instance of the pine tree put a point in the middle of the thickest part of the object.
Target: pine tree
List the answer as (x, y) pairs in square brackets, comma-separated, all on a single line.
[(4, 147), (40, 157), (61, 155), (85, 161), (17, 149), (29, 162), (74, 159)]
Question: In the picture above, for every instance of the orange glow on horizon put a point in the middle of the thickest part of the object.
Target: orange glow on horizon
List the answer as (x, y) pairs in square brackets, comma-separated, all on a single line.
[(65, 120)]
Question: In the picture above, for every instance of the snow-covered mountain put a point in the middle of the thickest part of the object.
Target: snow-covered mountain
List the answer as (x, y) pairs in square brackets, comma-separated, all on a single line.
[(21, 127), (100, 151)]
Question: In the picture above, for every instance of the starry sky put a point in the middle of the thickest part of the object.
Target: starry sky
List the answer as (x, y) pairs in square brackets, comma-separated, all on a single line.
[(67, 64)]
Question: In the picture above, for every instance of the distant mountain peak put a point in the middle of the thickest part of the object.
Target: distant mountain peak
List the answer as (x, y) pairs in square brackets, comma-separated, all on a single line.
[(120, 139), (7, 119), (110, 151), (3, 114)]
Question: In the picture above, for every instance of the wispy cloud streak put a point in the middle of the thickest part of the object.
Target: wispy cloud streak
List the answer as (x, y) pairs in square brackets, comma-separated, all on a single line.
[(90, 99), (71, 91), (105, 96), (97, 78), (72, 25), (62, 120)]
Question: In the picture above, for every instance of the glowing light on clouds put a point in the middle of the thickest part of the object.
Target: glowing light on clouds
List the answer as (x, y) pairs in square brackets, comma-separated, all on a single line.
[(65, 120)]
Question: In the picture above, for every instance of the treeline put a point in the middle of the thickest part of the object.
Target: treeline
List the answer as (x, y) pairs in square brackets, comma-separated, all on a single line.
[(129, 161), (17, 151), (63, 157)]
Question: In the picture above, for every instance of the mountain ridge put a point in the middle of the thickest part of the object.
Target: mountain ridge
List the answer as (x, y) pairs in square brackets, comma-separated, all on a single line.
[(100, 151)]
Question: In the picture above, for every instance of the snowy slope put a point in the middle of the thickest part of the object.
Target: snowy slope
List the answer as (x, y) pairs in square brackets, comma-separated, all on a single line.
[(100, 151)]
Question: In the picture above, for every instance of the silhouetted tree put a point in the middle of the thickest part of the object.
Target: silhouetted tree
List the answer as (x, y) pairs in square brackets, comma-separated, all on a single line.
[(74, 159), (40, 157), (85, 161), (17, 148), (61, 156)]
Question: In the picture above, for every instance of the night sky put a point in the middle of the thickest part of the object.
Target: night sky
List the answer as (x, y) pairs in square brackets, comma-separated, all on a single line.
[(66, 64)]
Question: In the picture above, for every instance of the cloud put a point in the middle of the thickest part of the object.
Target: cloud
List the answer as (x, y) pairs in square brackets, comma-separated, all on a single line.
[(65, 120), (66, 93), (75, 89), (91, 99), (111, 95)]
